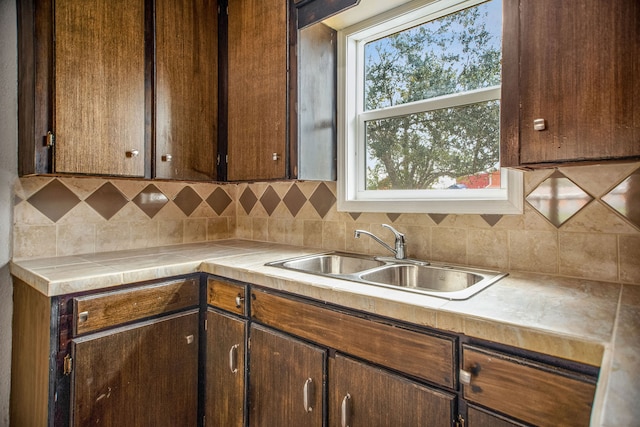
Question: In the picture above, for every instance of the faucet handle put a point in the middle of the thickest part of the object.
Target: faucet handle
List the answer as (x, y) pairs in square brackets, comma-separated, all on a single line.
[(400, 251), (398, 234)]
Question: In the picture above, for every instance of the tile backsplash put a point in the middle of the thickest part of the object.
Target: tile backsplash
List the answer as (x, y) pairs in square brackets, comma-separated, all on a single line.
[(579, 221)]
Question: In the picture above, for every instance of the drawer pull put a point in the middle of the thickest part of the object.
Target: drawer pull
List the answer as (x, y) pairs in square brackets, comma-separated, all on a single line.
[(465, 377), (83, 316), (307, 395), (233, 359), (239, 301), (346, 412), (189, 339)]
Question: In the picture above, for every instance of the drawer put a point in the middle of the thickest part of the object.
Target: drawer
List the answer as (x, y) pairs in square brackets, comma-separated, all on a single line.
[(426, 356), (227, 296), (533, 392), (99, 311)]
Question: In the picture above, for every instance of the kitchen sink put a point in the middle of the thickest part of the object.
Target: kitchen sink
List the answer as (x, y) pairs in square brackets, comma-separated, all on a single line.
[(333, 263), (444, 279), (440, 280)]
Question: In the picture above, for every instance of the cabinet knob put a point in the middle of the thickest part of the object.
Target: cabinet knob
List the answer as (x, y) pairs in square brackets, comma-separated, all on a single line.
[(166, 157), (239, 300), (275, 156), (465, 377), (539, 124), (132, 153), (83, 316)]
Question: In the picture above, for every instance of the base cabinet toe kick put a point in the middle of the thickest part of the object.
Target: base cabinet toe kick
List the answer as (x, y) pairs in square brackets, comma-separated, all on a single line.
[(205, 350)]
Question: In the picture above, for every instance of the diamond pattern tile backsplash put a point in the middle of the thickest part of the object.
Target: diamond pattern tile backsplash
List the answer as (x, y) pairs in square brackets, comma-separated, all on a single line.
[(579, 221)]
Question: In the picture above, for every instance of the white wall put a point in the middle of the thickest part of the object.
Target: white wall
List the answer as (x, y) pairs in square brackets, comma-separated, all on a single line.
[(8, 175)]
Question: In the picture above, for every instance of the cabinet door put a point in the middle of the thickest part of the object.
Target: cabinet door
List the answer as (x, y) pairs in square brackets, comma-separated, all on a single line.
[(533, 392), (477, 417), (257, 122), (144, 374), (286, 384), (186, 89), (226, 367), (99, 87), (361, 395), (579, 71)]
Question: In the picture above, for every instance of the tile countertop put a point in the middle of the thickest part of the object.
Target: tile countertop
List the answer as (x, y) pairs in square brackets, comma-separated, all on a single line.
[(596, 323)]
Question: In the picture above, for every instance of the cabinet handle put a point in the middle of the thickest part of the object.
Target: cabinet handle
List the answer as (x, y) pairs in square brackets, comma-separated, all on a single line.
[(346, 412), (83, 316), (239, 301), (275, 156), (307, 395), (166, 157), (233, 358), (132, 153)]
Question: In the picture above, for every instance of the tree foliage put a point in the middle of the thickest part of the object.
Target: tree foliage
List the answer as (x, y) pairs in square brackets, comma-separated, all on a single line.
[(454, 54)]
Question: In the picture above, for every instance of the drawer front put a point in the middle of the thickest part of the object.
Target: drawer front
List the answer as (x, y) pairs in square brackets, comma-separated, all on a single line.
[(227, 296), (95, 312), (419, 354), (532, 392)]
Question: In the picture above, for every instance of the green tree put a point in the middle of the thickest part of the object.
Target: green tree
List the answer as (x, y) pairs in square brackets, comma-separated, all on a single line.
[(456, 53)]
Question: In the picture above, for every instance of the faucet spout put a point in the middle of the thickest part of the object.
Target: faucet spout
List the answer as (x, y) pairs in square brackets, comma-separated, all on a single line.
[(398, 251)]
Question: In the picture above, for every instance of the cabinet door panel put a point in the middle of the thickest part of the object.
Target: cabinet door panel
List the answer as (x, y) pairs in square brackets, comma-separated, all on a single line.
[(99, 311), (534, 393), (280, 369), (99, 106), (584, 83), (378, 398), (186, 89), (257, 96), (477, 417), (225, 392), (226, 295), (141, 375)]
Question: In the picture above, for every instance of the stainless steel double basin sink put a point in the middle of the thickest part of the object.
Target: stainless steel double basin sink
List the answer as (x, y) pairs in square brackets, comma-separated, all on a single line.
[(440, 280)]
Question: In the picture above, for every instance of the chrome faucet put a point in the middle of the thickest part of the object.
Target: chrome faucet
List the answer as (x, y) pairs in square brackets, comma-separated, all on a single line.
[(399, 251)]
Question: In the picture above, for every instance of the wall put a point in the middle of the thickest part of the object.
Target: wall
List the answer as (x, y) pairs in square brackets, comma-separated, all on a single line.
[(597, 238), (8, 172)]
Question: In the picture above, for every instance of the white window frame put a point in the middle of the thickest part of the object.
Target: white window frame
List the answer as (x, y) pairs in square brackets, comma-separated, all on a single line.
[(352, 193)]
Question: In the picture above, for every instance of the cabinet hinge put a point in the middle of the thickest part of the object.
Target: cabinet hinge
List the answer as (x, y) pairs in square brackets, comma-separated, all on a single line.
[(50, 139), (67, 366)]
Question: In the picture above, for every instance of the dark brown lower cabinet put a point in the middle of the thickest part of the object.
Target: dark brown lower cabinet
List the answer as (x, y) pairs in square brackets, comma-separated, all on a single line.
[(534, 392), (226, 367), (477, 417), (145, 374), (286, 380), (362, 395)]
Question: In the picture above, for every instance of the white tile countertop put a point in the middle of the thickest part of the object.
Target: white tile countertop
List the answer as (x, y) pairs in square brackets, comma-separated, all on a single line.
[(591, 322)]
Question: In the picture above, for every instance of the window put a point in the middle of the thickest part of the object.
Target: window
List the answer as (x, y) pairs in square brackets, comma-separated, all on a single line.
[(419, 111)]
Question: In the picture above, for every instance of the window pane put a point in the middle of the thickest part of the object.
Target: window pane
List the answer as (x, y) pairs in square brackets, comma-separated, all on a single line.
[(456, 53), (447, 148)]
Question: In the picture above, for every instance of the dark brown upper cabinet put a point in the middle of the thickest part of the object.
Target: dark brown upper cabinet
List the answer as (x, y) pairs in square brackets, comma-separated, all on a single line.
[(257, 89), (571, 81), (186, 102), (99, 87), (119, 88)]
